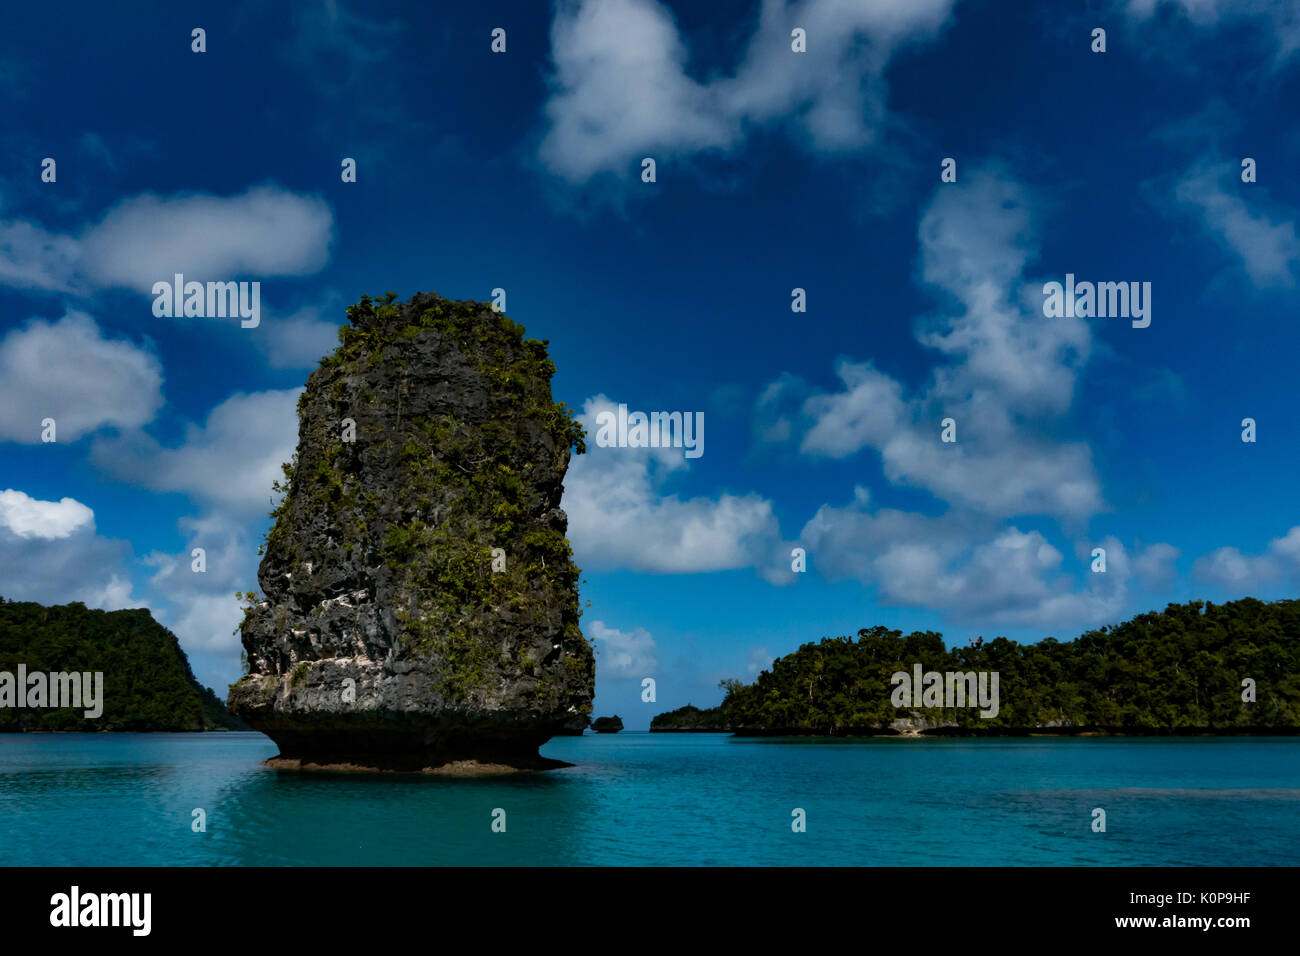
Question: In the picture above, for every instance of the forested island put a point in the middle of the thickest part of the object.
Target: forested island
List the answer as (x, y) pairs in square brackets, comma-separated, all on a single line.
[(1192, 668), (147, 681), (690, 719)]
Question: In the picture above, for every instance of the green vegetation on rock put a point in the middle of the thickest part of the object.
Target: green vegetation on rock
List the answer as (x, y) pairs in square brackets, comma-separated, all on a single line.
[(431, 537), (690, 719), (148, 684), (1179, 670)]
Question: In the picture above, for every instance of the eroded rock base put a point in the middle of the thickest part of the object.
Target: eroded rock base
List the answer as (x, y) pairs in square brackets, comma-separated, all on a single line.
[(450, 768)]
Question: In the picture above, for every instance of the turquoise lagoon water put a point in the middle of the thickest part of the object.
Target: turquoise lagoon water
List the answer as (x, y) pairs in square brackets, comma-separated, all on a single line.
[(661, 800)]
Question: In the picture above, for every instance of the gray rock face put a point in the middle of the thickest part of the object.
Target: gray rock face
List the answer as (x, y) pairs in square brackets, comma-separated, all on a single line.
[(607, 725), (916, 726), (421, 601)]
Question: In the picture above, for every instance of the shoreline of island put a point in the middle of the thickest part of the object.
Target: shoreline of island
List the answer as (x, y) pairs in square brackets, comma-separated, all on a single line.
[(1196, 669)]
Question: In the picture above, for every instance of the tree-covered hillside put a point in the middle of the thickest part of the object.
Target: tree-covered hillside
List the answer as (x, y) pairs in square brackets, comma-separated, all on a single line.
[(148, 684), (1179, 670), (689, 719)]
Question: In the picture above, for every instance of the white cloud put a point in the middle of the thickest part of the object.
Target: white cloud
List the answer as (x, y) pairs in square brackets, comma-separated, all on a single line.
[(1007, 379), (229, 560), (1229, 568), (298, 340), (29, 517), (630, 654), (230, 461), (965, 566), (622, 89), (619, 518), (262, 232), (1255, 231), (71, 372), (50, 553), (996, 470), (206, 623), (1010, 377), (866, 413), (1154, 566), (33, 258), (265, 231), (111, 595), (975, 244), (200, 607)]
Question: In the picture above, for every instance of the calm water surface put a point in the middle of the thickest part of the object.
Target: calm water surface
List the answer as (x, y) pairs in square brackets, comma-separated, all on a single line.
[(661, 800)]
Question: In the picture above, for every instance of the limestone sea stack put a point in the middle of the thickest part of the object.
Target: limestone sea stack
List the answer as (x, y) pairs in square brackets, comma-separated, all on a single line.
[(419, 604)]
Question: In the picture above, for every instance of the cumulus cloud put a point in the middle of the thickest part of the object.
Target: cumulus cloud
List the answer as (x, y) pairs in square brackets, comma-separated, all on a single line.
[(1007, 376), (229, 561), (298, 340), (975, 245), (1154, 565), (964, 565), (630, 654), (1230, 568), (866, 413), (29, 517), (71, 372), (200, 607), (265, 231), (50, 553), (230, 461), (621, 87), (619, 517), (206, 626), (1009, 379), (1010, 475)]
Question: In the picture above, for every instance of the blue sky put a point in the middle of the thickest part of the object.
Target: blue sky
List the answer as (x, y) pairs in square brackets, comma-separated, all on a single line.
[(775, 170)]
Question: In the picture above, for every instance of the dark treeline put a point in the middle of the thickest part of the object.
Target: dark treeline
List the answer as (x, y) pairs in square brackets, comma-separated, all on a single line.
[(689, 719), (148, 684), (1179, 670)]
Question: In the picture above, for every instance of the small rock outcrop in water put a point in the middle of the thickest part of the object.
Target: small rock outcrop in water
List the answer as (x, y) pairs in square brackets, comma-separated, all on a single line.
[(607, 725), (421, 603), (575, 727)]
